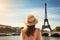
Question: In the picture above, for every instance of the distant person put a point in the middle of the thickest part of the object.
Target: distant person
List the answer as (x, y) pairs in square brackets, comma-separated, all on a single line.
[(30, 32)]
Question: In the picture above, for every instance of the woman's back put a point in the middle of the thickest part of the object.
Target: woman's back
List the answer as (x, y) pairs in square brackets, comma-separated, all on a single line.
[(30, 32), (36, 35)]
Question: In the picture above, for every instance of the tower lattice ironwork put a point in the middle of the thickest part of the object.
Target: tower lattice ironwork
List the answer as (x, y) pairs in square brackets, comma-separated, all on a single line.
[(46, 20)]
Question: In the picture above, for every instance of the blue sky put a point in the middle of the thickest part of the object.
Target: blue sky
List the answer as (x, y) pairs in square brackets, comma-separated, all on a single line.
[(14, 12)]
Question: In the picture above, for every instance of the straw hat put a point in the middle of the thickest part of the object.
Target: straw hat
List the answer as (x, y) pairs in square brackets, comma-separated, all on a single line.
[(31, 20)]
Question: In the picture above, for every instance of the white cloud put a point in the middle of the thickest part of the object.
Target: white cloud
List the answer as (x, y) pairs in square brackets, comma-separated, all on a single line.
[(11, 14), (4, 4)]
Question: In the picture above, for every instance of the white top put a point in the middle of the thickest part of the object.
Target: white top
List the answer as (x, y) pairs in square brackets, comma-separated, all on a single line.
[(36, 36)]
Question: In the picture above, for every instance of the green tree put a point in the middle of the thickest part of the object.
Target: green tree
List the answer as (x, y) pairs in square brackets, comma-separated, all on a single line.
[(57, 28), (21, 29)]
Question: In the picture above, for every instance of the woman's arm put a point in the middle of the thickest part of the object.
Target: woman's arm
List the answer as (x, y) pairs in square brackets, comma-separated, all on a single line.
[(39, 35), (22, 35)]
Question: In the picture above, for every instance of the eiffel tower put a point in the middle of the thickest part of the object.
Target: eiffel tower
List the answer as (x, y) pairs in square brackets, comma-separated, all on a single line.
[(46, 20)]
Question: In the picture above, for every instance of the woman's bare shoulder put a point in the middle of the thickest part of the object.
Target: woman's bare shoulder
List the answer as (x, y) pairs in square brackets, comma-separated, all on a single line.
[(23, 30), (38, 30)]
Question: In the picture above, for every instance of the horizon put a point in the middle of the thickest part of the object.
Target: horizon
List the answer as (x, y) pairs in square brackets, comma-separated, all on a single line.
[(14, 12)]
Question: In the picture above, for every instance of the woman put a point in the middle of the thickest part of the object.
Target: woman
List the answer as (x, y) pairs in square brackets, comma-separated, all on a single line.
[(30, 32)]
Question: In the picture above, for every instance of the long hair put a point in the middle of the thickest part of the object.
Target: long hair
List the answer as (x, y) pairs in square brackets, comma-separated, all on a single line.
[(30, 30)]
